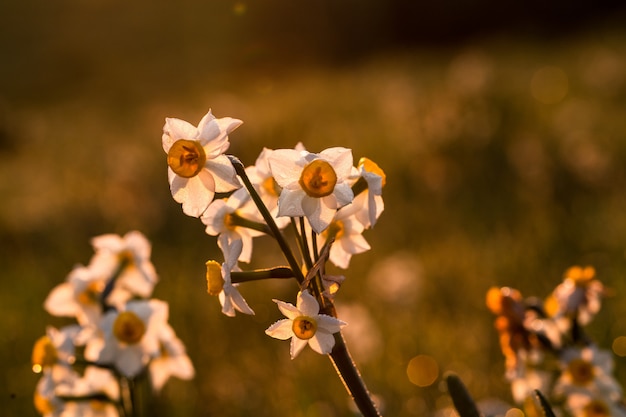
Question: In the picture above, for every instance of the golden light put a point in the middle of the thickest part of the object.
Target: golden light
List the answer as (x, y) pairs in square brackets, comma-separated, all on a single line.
[(422, 370), (619, 346)]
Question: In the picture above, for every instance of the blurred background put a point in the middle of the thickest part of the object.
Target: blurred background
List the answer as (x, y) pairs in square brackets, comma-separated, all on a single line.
[(500, 127)]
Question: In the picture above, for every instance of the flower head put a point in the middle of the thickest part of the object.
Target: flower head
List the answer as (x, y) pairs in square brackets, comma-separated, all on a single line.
[(222, 215), (579, 296), (129, 338), (197, 166), (304, 325), (370, 201), (127, 259), (219, 281), (347, 232), (313, 185)]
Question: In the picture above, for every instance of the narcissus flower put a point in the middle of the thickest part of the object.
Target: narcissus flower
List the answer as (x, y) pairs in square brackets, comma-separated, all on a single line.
[(223, 216), (304, 325), (127, 258), (197, 166), (370, 200), (313, 185), (219, 281), (129, 338), (347, 232)]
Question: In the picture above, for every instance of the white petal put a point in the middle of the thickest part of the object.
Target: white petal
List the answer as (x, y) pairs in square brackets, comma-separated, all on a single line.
[(307, 304), (224, 174), (343, 194), (341, 161), (238, 300), (329, 324), (296, 346), (280, 330), (290, 203), (289, 310), (322, 343), (175, 129), (318, 214), (197, 193), (284, 167), (61, 301)]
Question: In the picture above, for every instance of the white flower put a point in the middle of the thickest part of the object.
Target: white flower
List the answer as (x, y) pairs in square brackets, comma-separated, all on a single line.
[(218, 219), (197, 166), (79, 296), (129, 338), (578, 296), (127, 258), (304, 325), (370, 200), (313, 185), (219, 280), (260, 176), (347, 232), (588, 371), (55, 348), (172, 361)]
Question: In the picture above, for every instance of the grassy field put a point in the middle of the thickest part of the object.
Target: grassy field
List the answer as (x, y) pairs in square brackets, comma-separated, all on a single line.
[(505, 162)]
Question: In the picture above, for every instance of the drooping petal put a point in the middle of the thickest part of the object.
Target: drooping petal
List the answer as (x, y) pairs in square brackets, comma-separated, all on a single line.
[(280, 330), (238, 301), (61, 302)]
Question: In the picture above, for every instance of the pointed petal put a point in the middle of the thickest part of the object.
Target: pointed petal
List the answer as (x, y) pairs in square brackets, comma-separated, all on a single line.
[(224, 174), (318, 214), (280, 330), (343, 195), (329, 324), (289, 310), (341, 160), (238, 301), (284, 167), (307, 304), (322, 343), (290, 203), (296, 346), (175, 129)]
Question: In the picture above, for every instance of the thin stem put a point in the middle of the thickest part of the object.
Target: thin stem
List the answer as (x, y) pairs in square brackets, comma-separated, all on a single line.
[(280, 272), (267, 216), (351, 378)]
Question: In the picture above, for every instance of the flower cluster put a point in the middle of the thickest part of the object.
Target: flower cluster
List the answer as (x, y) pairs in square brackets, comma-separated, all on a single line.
[(323, 200), (546, 348), (120, 337)]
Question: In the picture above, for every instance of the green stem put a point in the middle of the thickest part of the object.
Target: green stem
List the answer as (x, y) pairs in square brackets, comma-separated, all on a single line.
[(249, 224), (267, 216), (351, 378)]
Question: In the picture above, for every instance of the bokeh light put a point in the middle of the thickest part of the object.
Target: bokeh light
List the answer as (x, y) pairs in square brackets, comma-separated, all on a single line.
[(422, 370)]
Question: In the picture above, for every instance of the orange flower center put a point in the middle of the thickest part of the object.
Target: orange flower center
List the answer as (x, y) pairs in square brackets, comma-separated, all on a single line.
[(91, 293), (318, 179), (336, 229), (596, 408), (581, 371), (304, 327), (214, 280), (271, 186), (128, 328), (186, 158), (44, 354)]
